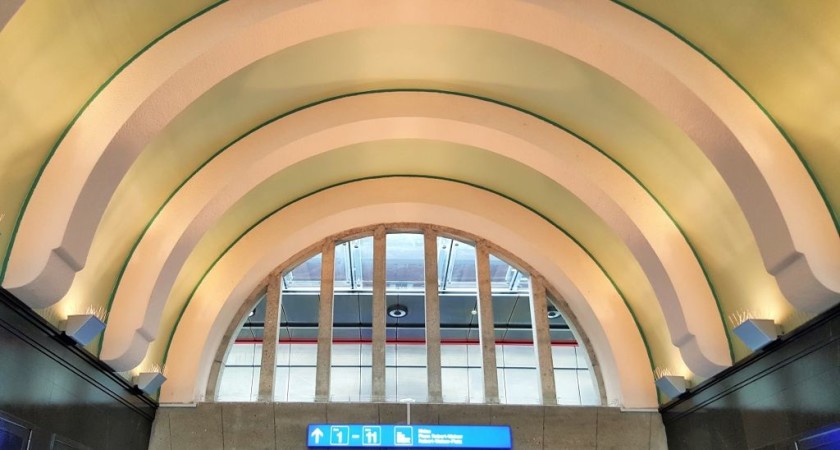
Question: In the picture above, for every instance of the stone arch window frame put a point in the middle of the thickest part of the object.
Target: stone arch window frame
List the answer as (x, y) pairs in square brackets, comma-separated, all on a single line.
[(553, 298)]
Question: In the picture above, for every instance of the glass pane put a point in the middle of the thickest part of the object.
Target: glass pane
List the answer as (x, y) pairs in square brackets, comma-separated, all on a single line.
[(412, 384), (404, 262), (564, 356), (281, 383), (343, 278), (362, 251), (252, 328), (306, 276), (515, 351), (444, 249), (455, 389), (297, 349), (303, 354), (474, 355), (476, 381), (347, 355), (391, 384), (407, 362), (351, 313), (366, 354), (411, 355), (354, 265), (281, 357), (244, 354), (519, 356), (290, 375), (566, 384), (345, 384), (453, 355), (523, 283), (582, 359), (365, 390), (505, 278), (241, 374), (460, 272), (239, 384), (459, 322), (588, 394), (405, 323), (302, 384), (520, 386)]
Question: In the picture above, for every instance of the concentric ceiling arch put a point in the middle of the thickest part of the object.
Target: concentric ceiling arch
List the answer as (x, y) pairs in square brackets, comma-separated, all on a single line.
[(678, 178)]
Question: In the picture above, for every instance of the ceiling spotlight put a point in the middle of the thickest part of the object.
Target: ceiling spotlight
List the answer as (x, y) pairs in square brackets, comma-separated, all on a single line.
[(553, 313), (397, 311), (474, 311)]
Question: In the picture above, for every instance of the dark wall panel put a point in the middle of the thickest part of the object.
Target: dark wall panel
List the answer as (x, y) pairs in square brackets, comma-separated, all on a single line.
[(66, 396), (769, 400)]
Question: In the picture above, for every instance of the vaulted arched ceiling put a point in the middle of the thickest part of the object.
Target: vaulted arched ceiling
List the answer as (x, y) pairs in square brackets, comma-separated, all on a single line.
[(664, 164)]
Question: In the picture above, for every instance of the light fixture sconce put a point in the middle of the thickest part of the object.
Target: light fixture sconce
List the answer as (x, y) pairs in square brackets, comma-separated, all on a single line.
[(671, 385), (149, 382), (757, 333), (83, 328)]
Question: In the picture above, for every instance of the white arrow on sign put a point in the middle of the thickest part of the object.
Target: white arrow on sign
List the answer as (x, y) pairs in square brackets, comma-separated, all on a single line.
[(317, 434)]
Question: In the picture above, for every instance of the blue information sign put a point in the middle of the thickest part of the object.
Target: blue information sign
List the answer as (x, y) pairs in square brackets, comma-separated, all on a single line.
[(408, 436)]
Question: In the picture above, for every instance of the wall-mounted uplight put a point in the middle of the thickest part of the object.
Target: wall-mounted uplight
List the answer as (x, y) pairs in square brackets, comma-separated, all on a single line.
[(757, 333), (83, 328), (670, 385), (149, 382), (754, 333)]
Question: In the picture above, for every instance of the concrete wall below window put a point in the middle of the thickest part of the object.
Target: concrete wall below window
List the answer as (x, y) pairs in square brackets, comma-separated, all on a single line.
[(283, 425)]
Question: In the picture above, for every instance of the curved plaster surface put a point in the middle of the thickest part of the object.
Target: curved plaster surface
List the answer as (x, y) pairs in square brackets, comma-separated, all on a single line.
[(8, 10), (793, 228), (677, 279), (614, 337)]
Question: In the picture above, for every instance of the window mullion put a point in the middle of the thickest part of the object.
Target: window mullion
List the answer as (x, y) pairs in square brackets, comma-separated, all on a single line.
[(432, 302), (542, 341), (271, 334), (486, 324), (378, 317), (325, 323)]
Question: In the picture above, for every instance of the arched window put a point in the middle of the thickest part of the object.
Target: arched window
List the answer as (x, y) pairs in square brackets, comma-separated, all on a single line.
[(422, 316)]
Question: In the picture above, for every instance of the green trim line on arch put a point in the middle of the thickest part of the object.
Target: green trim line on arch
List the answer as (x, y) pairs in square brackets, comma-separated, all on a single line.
[(189, 19), (76, 117), (356, 180), (443, 92), (107, 82), (835, 216)]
